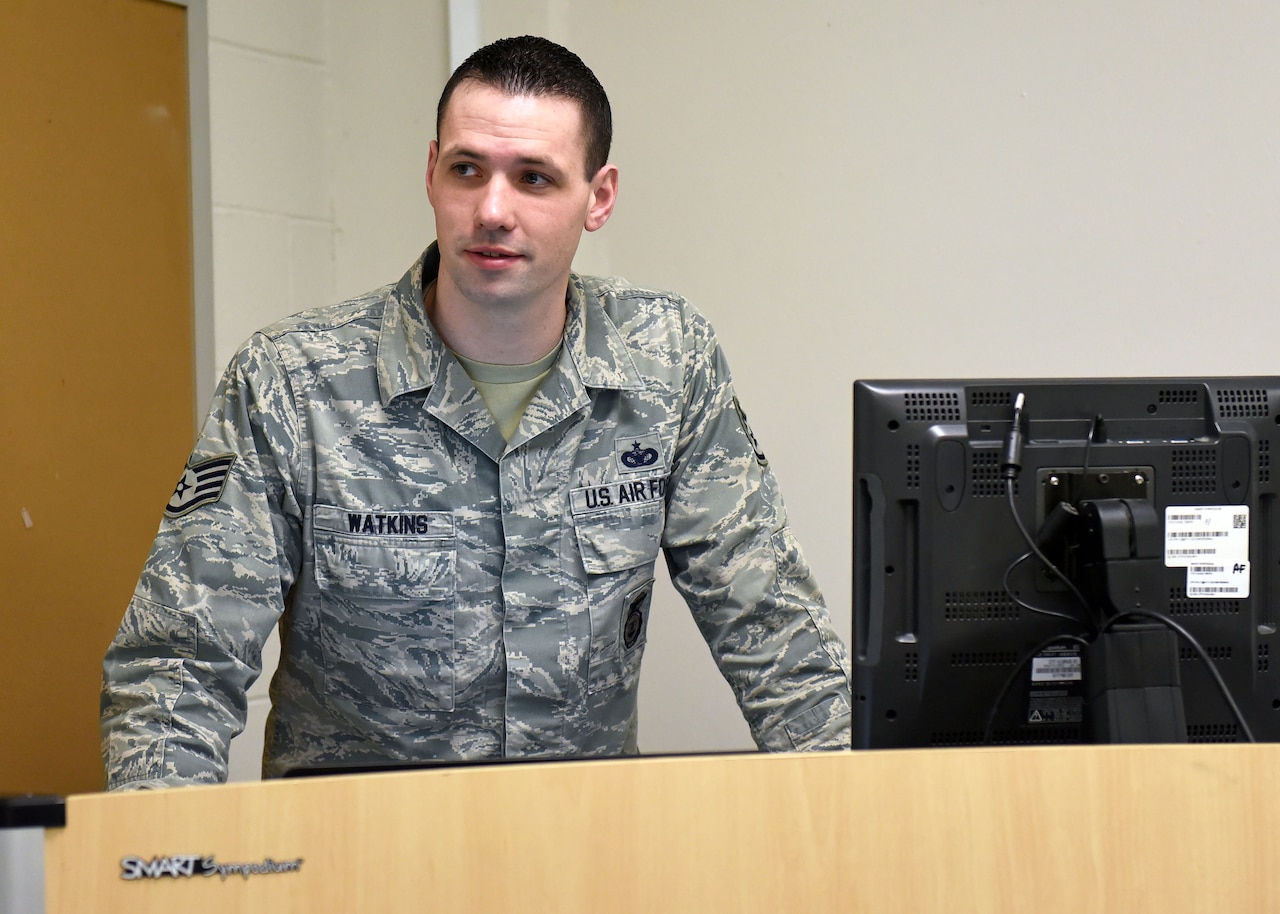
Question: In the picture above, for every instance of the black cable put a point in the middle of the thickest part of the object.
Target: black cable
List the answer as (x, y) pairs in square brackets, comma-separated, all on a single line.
[(1090, 618), (1200, 652), (988, 732), (1027, 606), (1010, 467), (1088, 445)]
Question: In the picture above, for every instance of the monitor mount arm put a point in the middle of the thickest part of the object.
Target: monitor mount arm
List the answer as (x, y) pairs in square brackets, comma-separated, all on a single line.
[(1118, 539), (1131, 669)]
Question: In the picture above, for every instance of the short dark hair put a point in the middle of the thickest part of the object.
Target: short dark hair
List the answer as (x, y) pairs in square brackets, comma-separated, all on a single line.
[(534, 66)]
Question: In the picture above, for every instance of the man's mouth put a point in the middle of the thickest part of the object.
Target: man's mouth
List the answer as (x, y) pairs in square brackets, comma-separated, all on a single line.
[(486, 258)]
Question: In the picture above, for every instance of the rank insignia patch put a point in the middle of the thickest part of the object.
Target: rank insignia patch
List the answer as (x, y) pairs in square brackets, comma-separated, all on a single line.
[(201, 484)]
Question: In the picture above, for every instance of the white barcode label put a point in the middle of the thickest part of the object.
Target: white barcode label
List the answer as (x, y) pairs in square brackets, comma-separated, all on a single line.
[(1061, 668), (1224, 582), (1206, 535)]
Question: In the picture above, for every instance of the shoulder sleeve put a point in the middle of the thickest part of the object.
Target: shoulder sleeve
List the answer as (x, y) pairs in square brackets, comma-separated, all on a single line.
[(738, 566), (213, 587)]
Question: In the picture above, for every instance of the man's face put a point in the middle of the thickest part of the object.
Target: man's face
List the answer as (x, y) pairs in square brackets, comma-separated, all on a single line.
[(511, 198)]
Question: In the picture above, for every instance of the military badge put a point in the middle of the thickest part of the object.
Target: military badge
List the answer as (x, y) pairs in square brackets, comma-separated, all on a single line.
[(640, 453)]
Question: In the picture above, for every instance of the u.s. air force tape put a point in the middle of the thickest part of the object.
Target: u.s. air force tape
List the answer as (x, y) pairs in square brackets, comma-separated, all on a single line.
[(201, 484), (590, 499)]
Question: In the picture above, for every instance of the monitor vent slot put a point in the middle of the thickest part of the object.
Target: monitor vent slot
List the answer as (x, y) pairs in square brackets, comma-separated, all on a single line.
[(979, 606), (913, 466), (1182, 605), (979, 399), (1178, 396), (1264, 460), (984, 658), (932, 406), (1264, 658), (911, 666), (1242, 404), (985, 476), (1194, 471), (1213, 733), (1216, 654)]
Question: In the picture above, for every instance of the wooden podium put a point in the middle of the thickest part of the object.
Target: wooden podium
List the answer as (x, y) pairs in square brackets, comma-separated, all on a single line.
[(1078, 830)]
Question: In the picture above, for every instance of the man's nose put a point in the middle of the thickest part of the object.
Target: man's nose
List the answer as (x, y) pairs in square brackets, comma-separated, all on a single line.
[(496, 210)]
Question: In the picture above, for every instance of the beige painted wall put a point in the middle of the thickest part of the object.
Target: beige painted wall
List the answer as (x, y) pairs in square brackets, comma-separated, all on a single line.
[(945, 189)]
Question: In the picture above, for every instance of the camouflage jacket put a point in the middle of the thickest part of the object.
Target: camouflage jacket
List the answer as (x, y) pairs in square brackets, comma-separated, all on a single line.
[(443, 593)]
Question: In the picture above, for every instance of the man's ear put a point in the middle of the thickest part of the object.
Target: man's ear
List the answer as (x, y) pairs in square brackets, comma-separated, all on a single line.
[(433, 154), (604, 194)]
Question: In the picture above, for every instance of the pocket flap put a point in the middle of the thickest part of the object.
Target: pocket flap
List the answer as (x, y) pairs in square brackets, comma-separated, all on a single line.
[(619, 539), (416, 562)]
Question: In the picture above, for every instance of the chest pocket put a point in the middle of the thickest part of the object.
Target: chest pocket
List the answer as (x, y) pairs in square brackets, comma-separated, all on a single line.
[(618, 548), (388, 585)]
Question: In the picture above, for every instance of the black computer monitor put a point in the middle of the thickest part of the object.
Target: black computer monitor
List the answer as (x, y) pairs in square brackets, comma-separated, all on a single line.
[(1065, 561)]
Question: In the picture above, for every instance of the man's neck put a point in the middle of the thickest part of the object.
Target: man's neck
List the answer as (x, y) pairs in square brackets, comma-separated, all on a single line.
[(499, 335)]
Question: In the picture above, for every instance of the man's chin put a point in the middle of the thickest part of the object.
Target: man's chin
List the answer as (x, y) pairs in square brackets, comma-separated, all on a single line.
[(495, 293)]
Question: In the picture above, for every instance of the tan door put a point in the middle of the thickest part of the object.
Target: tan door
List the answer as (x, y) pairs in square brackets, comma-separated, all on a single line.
[(96, 353)]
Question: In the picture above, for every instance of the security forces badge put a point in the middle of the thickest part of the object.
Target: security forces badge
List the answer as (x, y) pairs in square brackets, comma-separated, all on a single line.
[(201, 484), (634, 616)]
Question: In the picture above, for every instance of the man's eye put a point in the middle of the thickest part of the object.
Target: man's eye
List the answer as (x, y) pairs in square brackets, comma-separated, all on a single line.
[(533, 179), (464, 169)]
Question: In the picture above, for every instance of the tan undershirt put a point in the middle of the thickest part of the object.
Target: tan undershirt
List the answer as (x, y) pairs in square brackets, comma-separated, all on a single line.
[(508, 389)]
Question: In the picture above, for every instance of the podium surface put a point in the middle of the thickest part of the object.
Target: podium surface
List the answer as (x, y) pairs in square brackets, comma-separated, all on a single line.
[(1071, 829)]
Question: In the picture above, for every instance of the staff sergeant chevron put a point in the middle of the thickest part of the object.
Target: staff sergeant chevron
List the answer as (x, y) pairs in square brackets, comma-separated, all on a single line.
[(201, 484)]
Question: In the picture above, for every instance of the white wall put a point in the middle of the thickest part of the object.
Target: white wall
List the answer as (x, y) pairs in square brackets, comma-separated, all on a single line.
[(961, 188)]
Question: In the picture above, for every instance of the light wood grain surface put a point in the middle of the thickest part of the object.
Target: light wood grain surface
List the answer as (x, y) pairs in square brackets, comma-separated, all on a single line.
[(1078, 829)]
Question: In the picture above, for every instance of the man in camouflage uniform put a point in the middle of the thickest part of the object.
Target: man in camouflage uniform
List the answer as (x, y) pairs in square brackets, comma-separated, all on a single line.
[(450, 494)]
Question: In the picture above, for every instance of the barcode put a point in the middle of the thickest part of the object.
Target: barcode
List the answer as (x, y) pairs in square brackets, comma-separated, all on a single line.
[(1184, 517), (1055, 669), (1208, 569), (1197, 534), (1197, 590), (1192, 551), (1239, 521)]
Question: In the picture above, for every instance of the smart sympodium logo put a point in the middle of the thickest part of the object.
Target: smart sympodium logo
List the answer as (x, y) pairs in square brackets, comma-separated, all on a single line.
[(182, 866)]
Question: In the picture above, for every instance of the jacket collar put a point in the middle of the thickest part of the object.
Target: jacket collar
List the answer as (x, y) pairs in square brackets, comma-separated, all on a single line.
[(412, 357)]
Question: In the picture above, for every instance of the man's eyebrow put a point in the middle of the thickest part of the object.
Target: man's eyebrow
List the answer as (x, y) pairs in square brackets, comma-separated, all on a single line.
[(459, 152), (462, 152)]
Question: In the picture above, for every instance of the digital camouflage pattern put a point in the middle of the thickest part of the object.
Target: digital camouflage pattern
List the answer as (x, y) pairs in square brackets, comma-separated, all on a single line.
[(441, 592)]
